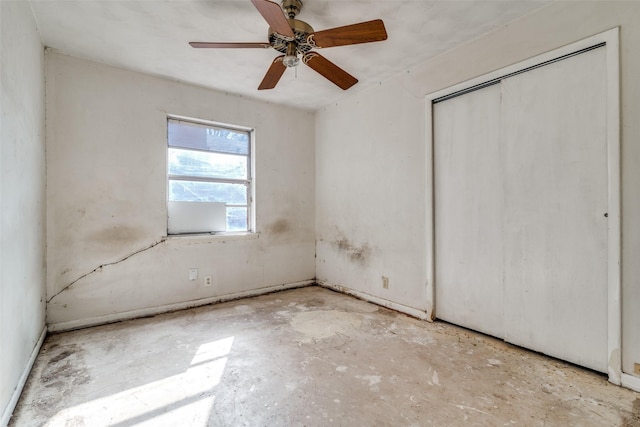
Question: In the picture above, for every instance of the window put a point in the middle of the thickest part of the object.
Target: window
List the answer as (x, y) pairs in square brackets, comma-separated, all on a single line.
[(209, 170)]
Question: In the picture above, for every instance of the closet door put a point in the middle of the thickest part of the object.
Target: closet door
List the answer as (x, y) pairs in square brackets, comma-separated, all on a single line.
[(468, 211), (555, 225)]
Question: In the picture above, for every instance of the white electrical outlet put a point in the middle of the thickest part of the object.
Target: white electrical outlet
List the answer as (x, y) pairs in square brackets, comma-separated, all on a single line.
[(208, 281), (385, 282), (193, 274)]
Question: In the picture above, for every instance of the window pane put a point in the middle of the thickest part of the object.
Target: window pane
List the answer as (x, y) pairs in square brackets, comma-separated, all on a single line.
[(205, 137), (211, 165), (195, 191), (236, 218)]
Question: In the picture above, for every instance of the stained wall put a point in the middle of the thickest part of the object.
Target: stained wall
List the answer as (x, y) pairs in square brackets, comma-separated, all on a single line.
[(107, 248), (373, 168)]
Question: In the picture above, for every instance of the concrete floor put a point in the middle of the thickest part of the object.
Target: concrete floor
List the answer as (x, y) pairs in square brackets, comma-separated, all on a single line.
[(307, 357)]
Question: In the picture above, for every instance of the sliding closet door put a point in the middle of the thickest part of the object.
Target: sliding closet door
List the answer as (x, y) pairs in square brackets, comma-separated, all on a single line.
[(468, 211), (555, 224), (521, 192)]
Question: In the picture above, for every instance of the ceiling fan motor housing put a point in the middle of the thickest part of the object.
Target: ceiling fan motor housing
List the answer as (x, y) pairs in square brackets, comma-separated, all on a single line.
[(301, 31)]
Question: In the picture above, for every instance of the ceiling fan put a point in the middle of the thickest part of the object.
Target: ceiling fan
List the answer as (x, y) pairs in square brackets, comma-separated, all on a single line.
[(296, 39)]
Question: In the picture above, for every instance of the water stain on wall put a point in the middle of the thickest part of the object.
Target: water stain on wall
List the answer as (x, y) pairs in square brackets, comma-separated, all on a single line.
[(357, 253), (281, 226), (117, 234)]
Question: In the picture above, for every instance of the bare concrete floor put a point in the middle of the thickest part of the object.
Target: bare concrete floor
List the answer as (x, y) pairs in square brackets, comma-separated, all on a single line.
[(307, 357)]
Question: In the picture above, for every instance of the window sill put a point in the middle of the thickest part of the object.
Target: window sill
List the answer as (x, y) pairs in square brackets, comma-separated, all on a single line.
[(215, 237)]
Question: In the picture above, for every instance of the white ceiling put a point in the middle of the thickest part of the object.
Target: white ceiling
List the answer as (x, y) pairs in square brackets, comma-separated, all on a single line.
[(151, 36)]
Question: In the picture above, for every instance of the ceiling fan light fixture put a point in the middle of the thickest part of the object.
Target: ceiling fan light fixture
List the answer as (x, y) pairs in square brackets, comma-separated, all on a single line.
[(291, 57), (291, 61)]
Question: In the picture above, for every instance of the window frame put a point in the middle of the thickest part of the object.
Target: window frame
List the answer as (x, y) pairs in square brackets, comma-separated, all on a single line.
[(249, 182)]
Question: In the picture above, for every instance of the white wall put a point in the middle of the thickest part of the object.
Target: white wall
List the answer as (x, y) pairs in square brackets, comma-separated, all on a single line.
[(370, 173), (22, 198), (106, 193), (372, 163)]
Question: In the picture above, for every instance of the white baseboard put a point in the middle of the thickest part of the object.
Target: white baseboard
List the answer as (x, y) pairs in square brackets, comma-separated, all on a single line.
[(629, 381), (414, 312), (8, 410), (151, 311)]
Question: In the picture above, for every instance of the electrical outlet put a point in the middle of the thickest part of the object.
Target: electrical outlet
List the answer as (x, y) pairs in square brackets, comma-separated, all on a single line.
[(385, 282), (193, 274), (636, 368), (208, 281)]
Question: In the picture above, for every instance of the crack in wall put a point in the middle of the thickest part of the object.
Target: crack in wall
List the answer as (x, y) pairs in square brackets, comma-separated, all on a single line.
[(99, 268)]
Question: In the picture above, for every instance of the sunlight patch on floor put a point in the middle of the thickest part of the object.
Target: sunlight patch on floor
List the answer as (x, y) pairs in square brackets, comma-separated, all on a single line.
[(176, 400)]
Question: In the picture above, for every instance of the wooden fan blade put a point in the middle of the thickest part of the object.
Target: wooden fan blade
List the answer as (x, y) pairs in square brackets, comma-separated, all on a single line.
[(364, 32), (329, 70), (273, 14), (273, 75), (228, 45)]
